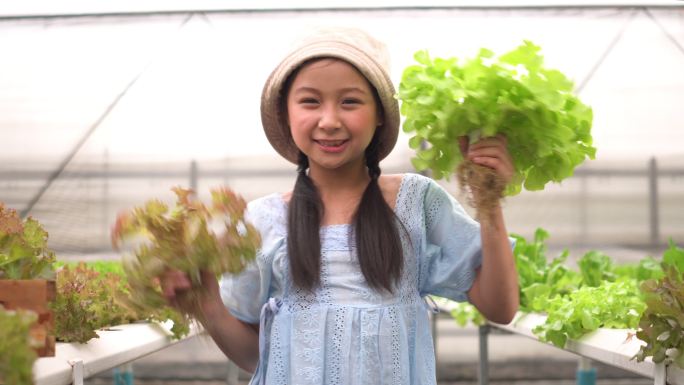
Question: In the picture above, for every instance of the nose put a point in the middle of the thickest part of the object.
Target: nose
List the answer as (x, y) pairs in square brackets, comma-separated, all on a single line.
[(329, 119)]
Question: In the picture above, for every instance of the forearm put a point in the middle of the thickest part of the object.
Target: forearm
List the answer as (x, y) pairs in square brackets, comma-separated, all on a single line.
[(497, 281), (239, 341)]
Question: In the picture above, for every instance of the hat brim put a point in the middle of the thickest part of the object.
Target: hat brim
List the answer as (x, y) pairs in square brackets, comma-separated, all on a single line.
[(275, 124)]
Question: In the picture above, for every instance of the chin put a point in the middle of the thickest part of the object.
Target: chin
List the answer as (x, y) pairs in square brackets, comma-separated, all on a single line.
[(328, 164)]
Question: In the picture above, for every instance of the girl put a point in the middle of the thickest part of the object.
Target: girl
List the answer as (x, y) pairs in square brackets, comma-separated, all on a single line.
[(336, 293)]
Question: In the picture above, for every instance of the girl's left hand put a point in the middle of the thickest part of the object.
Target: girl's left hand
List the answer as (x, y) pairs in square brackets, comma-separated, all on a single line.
[(490, 152)]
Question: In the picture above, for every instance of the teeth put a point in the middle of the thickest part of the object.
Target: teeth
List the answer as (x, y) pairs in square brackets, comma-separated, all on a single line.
[(331, 143)]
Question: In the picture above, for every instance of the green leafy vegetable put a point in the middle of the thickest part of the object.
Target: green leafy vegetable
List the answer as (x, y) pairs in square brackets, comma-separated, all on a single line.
[(674, 257), (579, 303), (108, 267), (16, 352), (547, 127), (183, 238), (464, 313), (611, 305), (602, 294), (23, 248), (596, 267), (647, 268), (538, 279)]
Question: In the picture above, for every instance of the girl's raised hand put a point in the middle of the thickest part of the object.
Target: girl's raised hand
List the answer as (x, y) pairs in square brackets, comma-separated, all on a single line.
[(176, 286), (490, 152)]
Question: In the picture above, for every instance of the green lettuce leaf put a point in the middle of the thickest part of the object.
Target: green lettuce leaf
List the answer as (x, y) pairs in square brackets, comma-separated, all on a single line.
[(547, 127)]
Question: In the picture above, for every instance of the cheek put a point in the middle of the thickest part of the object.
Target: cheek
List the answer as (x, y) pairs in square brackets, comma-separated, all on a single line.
[(296, 132), (300, 125), (299, 121), (364, 122)]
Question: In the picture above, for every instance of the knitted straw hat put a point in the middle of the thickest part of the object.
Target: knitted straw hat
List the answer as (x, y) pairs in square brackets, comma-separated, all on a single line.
[(354, 46)]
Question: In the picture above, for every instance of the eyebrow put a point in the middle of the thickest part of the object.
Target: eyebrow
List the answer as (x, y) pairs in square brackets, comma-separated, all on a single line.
[(343, 90)]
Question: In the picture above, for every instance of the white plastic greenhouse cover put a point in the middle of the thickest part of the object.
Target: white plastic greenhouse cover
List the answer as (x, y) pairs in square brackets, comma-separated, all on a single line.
[(199, 75), (80, 7), (177, 84)]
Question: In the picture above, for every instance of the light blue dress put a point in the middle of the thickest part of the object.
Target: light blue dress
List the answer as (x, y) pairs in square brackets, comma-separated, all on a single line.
[(346, 333)]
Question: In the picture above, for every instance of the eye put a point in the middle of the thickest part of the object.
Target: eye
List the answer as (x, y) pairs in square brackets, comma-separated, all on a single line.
[(351, 101), (308, 101)]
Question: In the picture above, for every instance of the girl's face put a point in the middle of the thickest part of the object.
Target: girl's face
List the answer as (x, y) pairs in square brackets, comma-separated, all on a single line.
[(332, 114)]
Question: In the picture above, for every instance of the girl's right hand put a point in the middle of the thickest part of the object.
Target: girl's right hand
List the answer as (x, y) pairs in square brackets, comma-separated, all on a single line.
[(176, 286), (237, 339)]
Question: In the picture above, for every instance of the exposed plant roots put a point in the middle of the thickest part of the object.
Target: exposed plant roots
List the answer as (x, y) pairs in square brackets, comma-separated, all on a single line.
[(483, 187)]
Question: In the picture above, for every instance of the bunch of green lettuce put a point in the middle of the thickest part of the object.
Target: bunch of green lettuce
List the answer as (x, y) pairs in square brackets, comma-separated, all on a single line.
[(647, 268), (596, 267), (23, 248), (600, 294), (606, 295), (16, 353), (547, 127), (538, 279), (603, 295), (662, 323), (613, 305)]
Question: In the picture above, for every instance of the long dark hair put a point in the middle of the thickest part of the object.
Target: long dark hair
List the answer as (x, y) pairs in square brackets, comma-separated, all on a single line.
[(378, 243)]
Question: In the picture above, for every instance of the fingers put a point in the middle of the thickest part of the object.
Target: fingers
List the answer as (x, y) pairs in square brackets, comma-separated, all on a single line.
[(173, 282), (493, 152), (463, 144), (499, 166), (176, 285), (498, 141)]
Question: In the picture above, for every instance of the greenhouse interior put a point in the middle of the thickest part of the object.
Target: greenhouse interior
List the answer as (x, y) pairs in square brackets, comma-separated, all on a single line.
[(132, 130)]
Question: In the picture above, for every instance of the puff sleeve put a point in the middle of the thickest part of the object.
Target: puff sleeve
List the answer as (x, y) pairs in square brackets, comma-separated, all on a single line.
[(244, 294), (452, 247)]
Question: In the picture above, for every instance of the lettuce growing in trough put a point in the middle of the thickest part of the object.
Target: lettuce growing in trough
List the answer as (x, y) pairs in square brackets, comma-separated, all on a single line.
[(548, 128), (662, 324), (88, 300)]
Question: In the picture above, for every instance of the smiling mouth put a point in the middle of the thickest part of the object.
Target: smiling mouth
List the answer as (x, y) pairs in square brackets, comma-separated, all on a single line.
[(332, 146), (331, 143)]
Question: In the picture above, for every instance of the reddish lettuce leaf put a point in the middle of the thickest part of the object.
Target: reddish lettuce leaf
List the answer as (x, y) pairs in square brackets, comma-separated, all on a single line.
[(190, 237), (24, 253)]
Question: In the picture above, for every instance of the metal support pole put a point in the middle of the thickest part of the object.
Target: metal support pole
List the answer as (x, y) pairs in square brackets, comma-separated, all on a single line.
[(123, 375), (583, 212), (233, 371), (483, 374), (433, 321), (586, 375), (660, 374), (105, 195), (193, 176), (653, 202)]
